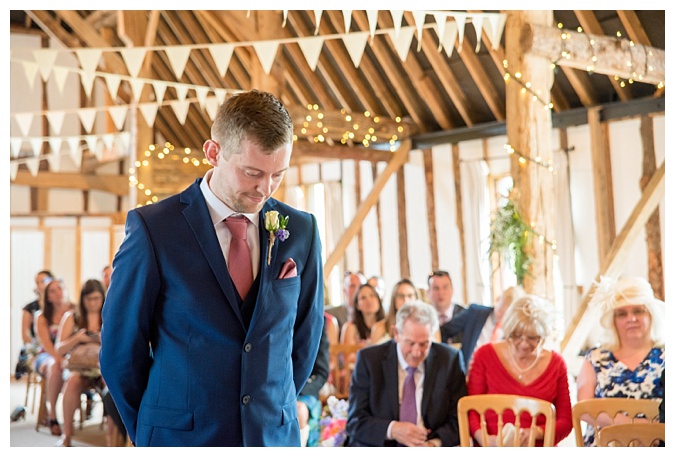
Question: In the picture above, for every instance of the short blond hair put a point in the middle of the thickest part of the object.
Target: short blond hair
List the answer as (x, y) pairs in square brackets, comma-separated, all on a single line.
[(529, 312)]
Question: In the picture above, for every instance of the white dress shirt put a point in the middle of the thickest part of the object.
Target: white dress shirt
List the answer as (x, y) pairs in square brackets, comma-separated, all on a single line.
[(219, 211)]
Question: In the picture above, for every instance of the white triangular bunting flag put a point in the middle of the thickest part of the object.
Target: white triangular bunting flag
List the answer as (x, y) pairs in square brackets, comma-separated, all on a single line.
[(30, 69), (91, 142), (221, 53), (87, 80), (45, 59), (89, 59), (73, 144), (266, 51), (202, 92), (108, 140), (133, 58), (55, 143), (402, 41), (137, 88), (36, 145), (55, 119), (24, 120), (317, 19), (33, 165), (160, 89), (54, 162), (178, 57), (124, 139), (396, 17), (460, 19), (450, 37), (311, 48), (211, 107), (181, 91), (113, 83), (220, 95), (60, 76), (149, 112), (76, 154), (118, 115), (441, 19), (347, 14), (180, 108), (419, 17), (87, 117), (13, 169), (15, 145), (356, 44), (477, 21), (372, 21), (285, 13), (497, 22)]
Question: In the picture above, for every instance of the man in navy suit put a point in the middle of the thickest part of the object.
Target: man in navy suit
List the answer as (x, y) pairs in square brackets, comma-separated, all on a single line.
[(187, 359), (376, 389)]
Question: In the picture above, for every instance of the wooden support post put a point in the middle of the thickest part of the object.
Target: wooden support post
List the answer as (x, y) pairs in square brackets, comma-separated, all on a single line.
[(404, 259), (431, 206), (456, 172)]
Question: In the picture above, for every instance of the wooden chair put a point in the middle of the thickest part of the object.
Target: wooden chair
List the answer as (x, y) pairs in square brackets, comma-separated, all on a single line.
[(500, 403), (610, 407), (341, 371), (632, 435)]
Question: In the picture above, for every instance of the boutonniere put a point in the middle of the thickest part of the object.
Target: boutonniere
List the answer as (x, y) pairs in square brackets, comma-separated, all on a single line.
[(276, 226)]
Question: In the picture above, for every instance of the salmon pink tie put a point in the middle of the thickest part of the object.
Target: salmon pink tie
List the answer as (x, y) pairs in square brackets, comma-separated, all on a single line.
[(239, 259)]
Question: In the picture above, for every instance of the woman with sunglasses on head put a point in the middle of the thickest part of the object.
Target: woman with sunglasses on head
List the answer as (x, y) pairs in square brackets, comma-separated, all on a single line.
[(521, 365), (630, 355)]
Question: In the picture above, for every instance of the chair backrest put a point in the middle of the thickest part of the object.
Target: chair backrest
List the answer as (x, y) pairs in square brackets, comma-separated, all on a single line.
[(499, 403), (609, 408), (341, 370), (625, 435)]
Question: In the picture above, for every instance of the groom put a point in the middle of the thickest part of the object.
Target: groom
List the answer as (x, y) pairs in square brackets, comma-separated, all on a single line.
[(210, 331)]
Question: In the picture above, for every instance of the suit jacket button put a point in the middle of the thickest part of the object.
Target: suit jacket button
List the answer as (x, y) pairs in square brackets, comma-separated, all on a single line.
[(247, 347), (246, 399)]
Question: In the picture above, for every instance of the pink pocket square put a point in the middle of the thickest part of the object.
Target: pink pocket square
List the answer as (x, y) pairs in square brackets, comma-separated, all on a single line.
[(289, 270)]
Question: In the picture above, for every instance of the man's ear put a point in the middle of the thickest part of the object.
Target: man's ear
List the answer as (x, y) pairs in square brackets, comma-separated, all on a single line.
[(211, 150)]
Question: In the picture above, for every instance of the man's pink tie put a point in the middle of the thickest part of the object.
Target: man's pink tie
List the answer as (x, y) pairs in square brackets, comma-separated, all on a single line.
[(239, 260), (408, 412)]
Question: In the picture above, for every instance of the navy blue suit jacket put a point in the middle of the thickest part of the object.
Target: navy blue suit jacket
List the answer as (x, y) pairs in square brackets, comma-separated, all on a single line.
[(374, 399), (176, 354), (470, 323)]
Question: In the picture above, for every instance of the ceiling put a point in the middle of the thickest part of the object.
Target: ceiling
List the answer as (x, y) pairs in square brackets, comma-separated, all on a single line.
[(429, 91)]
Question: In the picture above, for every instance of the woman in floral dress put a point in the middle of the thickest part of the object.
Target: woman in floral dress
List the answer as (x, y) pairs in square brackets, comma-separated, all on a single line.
[(631, 356)]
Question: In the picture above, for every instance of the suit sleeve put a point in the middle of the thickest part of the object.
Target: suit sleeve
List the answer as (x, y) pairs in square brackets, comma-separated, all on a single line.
[(456, 386), (127, 315), (309, 321), (319, 374)]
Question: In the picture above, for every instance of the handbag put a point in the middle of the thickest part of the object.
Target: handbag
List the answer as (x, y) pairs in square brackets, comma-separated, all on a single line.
[(84, 359)]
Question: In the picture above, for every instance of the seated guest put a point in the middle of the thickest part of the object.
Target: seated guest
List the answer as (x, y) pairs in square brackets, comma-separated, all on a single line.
[(631, 356), (403, 291), (367, 311), (344, 312), (81, 326), (480, 324), (520, 365), (308, 404), (405, 391)]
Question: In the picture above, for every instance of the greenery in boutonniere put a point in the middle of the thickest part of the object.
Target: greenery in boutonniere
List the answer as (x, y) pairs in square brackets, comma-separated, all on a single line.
[(509, 235), (276, 226)]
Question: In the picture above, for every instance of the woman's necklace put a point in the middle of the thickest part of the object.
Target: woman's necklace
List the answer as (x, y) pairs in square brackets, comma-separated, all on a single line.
[(517, 367)]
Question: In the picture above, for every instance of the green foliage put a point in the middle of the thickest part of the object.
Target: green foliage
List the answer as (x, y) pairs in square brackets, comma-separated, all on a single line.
[(509, 234)]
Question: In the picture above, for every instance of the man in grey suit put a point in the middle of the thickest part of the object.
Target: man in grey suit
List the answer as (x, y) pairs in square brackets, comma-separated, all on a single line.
[(377, 386)]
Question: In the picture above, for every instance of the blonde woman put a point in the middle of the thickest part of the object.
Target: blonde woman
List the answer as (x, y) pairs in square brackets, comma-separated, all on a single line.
[(631, 355)]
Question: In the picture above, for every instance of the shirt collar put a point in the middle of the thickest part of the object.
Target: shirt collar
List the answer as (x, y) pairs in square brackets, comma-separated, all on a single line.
[(217, 209)]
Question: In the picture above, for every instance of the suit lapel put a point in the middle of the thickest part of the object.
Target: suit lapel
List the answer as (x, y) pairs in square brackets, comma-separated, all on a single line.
[(429, 378), (197, 215), (390, 371)]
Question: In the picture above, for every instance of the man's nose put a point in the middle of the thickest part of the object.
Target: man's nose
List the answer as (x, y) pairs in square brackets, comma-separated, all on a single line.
[(265, 186)]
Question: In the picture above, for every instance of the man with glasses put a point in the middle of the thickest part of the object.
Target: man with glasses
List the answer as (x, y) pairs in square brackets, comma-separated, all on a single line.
[(440, 296), (404, 392)]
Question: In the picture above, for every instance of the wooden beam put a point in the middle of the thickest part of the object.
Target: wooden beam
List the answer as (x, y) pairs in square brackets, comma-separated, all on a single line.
[(602, 182), (431, 206), (396, 162), (118, 185), (647, 63), (459, 214), (338, 152), (586, 319), (402, 224)]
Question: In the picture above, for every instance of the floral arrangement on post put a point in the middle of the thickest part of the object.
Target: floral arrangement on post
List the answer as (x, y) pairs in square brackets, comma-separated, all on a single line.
[(509, 234), (333, 422), (276, 226)]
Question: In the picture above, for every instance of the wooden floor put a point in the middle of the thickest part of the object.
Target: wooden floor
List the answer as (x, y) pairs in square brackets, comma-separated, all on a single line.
[(22, 433)]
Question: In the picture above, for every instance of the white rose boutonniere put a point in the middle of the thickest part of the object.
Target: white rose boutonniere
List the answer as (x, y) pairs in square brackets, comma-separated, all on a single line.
[(276, 226)]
